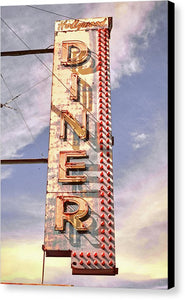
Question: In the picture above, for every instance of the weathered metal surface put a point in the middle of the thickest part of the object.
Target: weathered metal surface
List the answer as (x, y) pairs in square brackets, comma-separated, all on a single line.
[(79, 219)]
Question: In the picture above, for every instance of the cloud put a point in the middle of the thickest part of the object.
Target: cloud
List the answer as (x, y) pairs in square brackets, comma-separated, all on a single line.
[(21, 261), (140, 190), (22, 214), (6, 172), (141, 208), (21, 126), (130, 23), (140, 140), (141, 228), (131, 30), (27, 267)]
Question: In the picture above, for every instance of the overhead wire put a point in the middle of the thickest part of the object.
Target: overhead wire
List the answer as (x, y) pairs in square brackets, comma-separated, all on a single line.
[(44, 10), (21, 114), (6, 85), (14, 98), (42, 62), (51, 12), (34, 54), (24, 92), (5, 104)]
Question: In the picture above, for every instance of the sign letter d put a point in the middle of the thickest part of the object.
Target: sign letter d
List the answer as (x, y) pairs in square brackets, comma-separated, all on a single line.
[(74, 52)]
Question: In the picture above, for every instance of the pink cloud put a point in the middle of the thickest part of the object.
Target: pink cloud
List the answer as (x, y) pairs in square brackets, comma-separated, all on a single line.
[(130, 19)]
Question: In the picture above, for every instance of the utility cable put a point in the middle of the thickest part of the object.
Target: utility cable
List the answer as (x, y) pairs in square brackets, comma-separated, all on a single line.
[(44, 64), (51, 12), (21, 114), (35, 54), (47, 69), (24, 92), (5, 104)]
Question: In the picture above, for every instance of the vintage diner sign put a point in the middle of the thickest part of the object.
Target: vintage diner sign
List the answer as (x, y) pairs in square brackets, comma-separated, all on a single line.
[(79, 218)]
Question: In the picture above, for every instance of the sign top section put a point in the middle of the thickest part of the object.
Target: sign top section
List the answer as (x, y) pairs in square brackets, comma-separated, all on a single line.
[(84, 24)]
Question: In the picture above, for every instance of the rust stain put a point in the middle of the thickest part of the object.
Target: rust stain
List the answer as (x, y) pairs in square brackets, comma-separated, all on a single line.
[(79, 219)]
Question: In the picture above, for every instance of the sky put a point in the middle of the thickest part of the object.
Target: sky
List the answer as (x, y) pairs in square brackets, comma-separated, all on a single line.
[(139, 123)]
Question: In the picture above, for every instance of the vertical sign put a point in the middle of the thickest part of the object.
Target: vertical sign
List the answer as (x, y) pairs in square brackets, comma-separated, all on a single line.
[(79, 219)]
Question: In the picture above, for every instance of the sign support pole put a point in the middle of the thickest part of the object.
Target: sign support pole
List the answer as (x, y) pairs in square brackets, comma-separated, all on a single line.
[(43, 264)]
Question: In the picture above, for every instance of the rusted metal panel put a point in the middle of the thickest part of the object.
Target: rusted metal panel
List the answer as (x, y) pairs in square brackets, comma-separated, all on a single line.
[(79, 219)]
